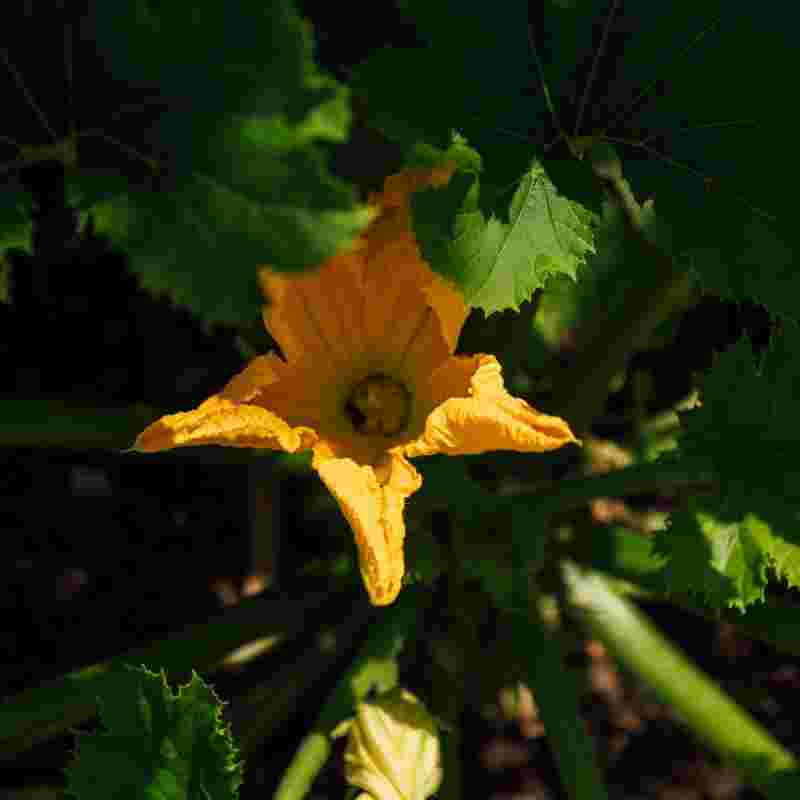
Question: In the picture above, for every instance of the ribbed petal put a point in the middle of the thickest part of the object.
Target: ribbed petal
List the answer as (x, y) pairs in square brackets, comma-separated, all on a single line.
[(471, 412), (234, 417), (224, 422), (316, 317), (450, 308), (400, 284), (372, 501), (393, 750), (377, 305)]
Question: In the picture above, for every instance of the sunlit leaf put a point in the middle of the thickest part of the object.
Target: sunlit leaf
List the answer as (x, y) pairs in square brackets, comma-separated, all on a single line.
[(723, 562), (498, 261)]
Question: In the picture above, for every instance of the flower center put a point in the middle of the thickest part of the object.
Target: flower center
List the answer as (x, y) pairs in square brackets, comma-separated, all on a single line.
[(379, 405)]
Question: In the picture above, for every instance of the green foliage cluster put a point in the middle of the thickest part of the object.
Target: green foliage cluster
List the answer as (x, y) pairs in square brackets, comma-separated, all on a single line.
[(722, 547), (604, 180), (235, 172)]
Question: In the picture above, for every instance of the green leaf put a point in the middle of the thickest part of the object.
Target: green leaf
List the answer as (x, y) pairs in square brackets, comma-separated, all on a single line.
[(698, 128), (753, 261), (745, 430), (724, 562), (625, 555), (473, 73), (246, 183), (242, 55), (498, 264), (157, 745), (203, 242), (613, 269)]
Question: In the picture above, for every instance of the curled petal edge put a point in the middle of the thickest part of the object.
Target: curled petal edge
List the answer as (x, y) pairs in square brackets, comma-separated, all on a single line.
[(223, 422), (475, 414)]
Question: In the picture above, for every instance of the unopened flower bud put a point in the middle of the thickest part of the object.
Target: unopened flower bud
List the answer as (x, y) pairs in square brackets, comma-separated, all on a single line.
[(393, 750)]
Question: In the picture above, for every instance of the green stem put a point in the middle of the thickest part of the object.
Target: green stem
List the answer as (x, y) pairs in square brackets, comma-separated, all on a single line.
[(715, 717), (627, 558), (45, 711), (555, 688), (605, 343), (636, 479), (374, 666), (259, 715), (55, 422)]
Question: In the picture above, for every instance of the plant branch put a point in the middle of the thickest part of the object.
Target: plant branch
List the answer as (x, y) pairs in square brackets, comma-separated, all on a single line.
[(373, 667), (606, 343), (573, 493), (709, 712), (51, 709)]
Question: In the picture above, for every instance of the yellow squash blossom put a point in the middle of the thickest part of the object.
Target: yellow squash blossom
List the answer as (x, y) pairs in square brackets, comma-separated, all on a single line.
[(368, 379)]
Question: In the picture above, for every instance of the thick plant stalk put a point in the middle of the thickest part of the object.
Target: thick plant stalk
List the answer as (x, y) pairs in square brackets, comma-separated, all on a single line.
[(605, 344), (554, 687), (710, 713), (260, 714), (573, 493), (373, 667), (51, 709), (626, 558)]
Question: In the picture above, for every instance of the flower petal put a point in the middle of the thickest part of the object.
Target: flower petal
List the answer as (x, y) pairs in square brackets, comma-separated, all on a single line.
[(450, 307), (224, 422), (392, 249), (378, 304), (399, 187), (233, 417), (259, 373), (316, 316), (372, 500), (470, 412)]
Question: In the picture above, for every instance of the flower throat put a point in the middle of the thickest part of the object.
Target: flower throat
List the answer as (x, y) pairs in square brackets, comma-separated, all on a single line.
[(379, 405)]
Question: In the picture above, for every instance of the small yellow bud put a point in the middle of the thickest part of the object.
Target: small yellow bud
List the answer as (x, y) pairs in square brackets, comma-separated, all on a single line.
[(393, 752)]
